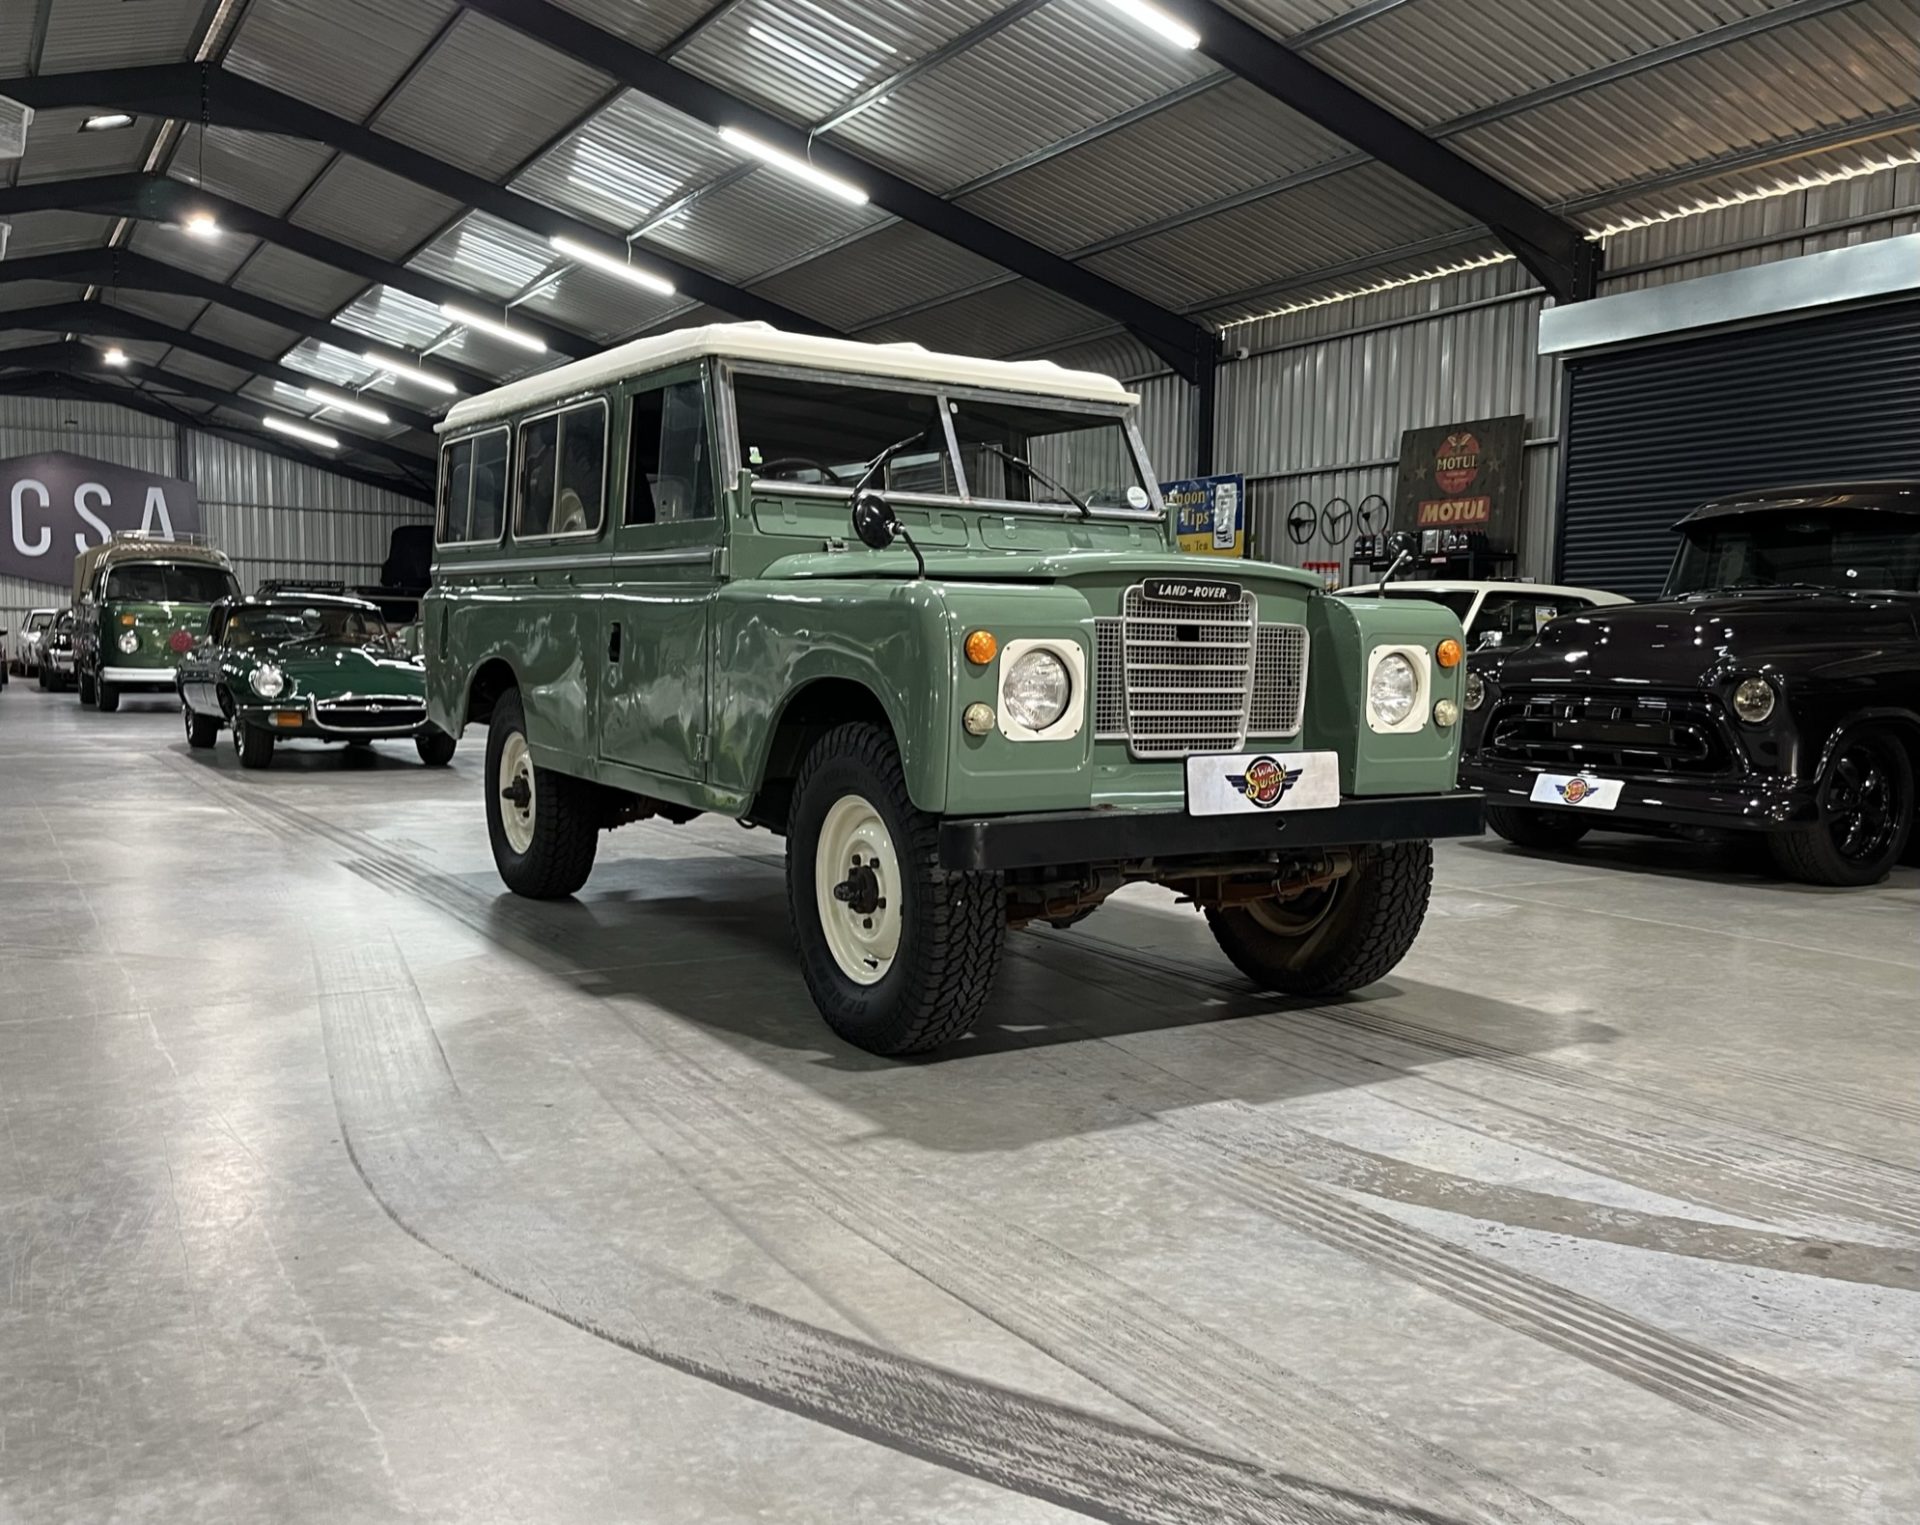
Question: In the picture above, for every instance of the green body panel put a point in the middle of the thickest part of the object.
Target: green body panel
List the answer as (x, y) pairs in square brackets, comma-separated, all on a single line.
[(154, 625)]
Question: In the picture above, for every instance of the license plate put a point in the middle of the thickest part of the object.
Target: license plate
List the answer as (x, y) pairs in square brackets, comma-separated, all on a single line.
[(1191, 590), (1256, 782), (1581, 790)]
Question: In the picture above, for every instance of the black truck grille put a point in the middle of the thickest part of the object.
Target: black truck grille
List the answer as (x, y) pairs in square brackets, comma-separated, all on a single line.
[(1622, 734)]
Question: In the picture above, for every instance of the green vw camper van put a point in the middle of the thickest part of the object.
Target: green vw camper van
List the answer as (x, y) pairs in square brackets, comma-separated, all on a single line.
[(919, 614), (140, 601)]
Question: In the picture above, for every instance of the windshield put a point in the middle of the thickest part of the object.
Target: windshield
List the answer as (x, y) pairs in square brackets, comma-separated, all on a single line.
[(823, 433), (263, 629), (1513, 619), (1857, 549), (38, 620), (170, 582)]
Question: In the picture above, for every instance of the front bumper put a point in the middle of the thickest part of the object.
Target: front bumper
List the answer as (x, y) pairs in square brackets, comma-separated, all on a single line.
[(138, 677), (1760, 802), (1065, 837), (298, 717)]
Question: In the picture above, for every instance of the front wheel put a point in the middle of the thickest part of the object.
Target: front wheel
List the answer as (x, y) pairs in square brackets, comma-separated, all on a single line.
[(542, 824), (252, 744), (435, 747), (202, 730), (86, 688), (899, 953), (1548, 829), (106, 698), (1866, 815), (1333, 940)]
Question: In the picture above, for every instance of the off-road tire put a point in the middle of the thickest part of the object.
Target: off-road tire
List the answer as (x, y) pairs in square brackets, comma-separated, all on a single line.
[(1811, 855), (87, 690), (566, 829), (252, 744), (1374, 918), (954, 921), (106, 698), (1547, 830), (435, 747), (203, 731)]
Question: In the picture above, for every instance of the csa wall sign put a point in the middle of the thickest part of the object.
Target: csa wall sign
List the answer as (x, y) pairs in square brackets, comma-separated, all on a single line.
[(1464, 476), (1209, 514), (59, 505)]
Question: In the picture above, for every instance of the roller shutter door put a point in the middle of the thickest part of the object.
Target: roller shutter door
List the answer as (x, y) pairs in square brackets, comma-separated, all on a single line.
[(1653, 431)]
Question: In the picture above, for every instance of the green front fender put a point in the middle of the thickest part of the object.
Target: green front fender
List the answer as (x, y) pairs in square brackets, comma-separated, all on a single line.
[(1344, 633)]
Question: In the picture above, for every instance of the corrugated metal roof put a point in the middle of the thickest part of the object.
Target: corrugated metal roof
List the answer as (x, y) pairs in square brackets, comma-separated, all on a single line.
[(487, 98), (268, 340), (16, 38), (1288, 18), (341, 367), (1009, 319), (1316, 304), (393, 317), (600, 305), (507, 361), (198, 368), (371, 209), (1841, 67), (1340, 218), (1439, 59), (15, 295), (484, 254), (766, 219), (139, 351), (50, 232), (1217, 144), (294, 46), (652, 25), (293, 280), (175, 311), (1064, 68), (262, 170), (802, 58), (22, 338), (215, 258), (887, 270), (57, 149), (625, 161), (100, 34)]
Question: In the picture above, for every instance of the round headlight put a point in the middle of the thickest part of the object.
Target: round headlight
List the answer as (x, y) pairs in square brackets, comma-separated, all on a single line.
[(268, 681), (1753, 700), (1445, 713), (130, 643), (1036, 690), (1476, 690), (1394, 689)]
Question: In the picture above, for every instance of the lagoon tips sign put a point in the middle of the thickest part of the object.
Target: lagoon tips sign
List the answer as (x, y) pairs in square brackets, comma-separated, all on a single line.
[(58, 505), (1209, 514)]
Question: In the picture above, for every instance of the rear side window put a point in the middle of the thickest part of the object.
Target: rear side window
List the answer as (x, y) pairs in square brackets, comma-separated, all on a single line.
[(563, 471), (669, 469), (473, 487)]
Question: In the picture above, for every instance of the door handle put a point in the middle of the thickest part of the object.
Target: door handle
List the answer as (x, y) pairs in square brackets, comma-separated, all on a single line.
[(613, 643)]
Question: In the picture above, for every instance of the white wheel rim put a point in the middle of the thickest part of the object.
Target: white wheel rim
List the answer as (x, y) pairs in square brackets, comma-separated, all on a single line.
[(516, 766), (856, 884)]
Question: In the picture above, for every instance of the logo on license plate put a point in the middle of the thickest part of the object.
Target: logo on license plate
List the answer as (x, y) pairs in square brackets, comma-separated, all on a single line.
[(1574, 790), (1265, 782)]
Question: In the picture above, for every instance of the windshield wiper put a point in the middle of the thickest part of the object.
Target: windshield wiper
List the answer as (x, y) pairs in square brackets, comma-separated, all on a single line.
[(1086, 508)]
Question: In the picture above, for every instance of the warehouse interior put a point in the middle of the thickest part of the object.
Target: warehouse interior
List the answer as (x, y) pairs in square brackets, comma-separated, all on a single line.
[(351, 1170)]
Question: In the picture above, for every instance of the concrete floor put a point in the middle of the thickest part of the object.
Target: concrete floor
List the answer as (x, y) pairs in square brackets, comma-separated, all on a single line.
[(335, 1185)]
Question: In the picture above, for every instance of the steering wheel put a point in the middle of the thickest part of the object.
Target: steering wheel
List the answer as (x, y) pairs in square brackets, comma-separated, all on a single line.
[(1303, 519), (1338, 521), (1373, 514), (779, 463)]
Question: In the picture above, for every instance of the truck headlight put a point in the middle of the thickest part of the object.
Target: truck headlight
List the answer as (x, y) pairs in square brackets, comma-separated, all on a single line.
[(1476, 690), (1393, 690), (1043, 688), (1753, 700), (268, 681), (130, 643)]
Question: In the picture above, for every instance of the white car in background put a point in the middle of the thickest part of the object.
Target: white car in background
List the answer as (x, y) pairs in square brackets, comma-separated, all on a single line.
[(1502, 614), (26, 650)]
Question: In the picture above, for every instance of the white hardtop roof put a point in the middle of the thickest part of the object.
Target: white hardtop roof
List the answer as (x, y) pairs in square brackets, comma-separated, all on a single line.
[(1489, 585), (764, 342)]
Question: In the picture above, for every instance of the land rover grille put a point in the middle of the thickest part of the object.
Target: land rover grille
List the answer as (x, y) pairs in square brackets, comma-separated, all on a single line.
[(1174, 678)]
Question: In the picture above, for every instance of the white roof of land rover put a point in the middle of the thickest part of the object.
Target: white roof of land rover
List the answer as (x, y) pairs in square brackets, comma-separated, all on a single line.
[(764, 342)]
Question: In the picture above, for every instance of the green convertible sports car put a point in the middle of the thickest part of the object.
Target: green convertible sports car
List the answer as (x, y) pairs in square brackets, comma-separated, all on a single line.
[(304, 667)]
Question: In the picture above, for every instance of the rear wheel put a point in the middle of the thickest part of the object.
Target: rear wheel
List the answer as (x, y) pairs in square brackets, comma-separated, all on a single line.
[(543, 825), (106, 697), (1333, 940), (1536, 828), (41, 678), (1866, 815), (899, 953), (202, 730), (86, 688), (435, 747), (252, 744)]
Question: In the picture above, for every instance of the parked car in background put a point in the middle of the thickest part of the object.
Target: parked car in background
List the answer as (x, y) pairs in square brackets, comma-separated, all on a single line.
[(1775, 688), (56, 653), (139, 601), (1494, 614), (26, 647), (304, 667)]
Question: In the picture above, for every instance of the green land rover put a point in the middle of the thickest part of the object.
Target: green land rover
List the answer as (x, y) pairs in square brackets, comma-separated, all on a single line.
[(139, 603), (920, 614)]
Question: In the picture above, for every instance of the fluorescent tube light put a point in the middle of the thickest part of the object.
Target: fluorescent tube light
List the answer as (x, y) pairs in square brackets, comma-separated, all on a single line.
[(115, 356), (1158, 22), (346, 404), (794, 165), (471, 319), (600, 260), (107, 121), (406, 370), (281, 425)]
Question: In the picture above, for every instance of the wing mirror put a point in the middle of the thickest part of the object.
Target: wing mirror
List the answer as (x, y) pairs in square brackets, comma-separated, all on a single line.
[(875, 524), (1491, 639)]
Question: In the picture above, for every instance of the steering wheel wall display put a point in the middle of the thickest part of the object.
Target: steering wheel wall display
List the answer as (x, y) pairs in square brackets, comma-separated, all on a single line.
[(1338, 521), (1303, 520), (1374, 513)]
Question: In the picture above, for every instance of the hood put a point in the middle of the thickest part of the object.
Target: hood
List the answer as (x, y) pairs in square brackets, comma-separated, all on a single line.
[(348, 669), (1689, 640), (1042, 566)]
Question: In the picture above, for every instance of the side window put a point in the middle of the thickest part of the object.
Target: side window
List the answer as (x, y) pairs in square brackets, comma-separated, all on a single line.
[(489, 486), (563, 467), (472, 488), (669, 466), (456, 491)]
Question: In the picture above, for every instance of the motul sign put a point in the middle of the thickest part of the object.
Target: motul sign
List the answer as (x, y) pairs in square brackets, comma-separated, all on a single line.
[(58, 505), (1463, 476)]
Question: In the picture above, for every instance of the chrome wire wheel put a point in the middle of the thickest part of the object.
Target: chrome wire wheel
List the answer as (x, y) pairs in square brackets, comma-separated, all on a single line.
[(518, 798), (857, 887), (1863, 804)]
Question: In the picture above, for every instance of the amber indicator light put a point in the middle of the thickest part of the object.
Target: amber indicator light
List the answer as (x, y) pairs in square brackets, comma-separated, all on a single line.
[(982, 648), (1447, 654)]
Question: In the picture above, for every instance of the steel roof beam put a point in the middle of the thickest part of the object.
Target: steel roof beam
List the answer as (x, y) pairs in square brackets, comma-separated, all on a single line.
[(1188, 346), (194, 92), (156, 198)]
